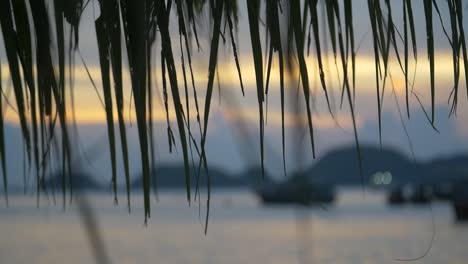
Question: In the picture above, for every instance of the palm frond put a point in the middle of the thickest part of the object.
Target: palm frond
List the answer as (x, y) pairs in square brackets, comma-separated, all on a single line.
[(34, 37)]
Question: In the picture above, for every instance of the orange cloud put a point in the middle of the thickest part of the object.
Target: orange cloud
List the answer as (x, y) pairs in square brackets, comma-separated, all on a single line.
[(89, 108), (325, 121)]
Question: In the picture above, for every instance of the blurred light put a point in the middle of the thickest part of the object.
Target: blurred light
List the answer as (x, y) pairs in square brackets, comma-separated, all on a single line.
[(380, 178)]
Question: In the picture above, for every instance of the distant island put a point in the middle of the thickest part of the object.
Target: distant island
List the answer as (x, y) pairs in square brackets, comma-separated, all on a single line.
[(173, 177), (341, 167), (338, 167), (81, 180)]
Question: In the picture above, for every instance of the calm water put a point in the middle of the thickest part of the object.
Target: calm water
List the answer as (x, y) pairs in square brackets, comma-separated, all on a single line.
[(355, 230)]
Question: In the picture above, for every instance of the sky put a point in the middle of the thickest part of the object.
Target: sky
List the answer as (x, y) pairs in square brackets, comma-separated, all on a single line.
[(233, 135)]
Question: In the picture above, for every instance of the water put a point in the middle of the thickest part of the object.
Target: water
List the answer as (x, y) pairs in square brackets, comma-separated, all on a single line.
[(241, 230)]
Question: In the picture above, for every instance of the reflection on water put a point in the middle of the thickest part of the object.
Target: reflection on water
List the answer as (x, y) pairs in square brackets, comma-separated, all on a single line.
[(355, 230)]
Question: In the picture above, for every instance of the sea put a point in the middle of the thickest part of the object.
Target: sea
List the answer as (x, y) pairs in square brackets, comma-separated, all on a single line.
[(358, 228)]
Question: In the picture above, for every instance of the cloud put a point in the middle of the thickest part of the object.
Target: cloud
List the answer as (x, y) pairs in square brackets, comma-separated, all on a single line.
[(427, 143)]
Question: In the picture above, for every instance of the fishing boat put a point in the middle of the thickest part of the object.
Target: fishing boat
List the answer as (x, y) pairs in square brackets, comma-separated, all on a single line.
[(410, 194), (302, 194), (460, 201)]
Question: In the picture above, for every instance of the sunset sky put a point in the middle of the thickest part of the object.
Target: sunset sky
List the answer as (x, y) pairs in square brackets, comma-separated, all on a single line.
[(233, 129)]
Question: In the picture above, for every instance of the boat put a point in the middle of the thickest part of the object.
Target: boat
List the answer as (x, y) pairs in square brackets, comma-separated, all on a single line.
[(460, 202), (422, 194), (410, 194), (396, 196), (301, 194), (443, 191)]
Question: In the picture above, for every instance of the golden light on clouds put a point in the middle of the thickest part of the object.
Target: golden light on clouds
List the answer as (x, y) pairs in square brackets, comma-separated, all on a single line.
[(324, 121), (90, 110)]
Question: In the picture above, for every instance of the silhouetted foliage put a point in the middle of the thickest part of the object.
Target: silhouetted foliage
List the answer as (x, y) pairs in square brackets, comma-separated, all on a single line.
[(35, 43)]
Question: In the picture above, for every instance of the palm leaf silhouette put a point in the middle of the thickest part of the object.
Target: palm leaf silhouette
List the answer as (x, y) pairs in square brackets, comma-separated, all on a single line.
[(30, 28)]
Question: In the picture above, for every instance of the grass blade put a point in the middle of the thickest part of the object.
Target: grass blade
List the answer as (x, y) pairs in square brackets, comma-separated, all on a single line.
[(234, 51), (275, 35), (25, 56), (116, 61), (375, 37), (298, 32), (405, 44), (209, 92), (11, 47), (253, 9), (134, 21), (2, 144), (348, 8), (318, 49), (430, 52), (103, 48), (459, 10), (163, 20), (454, 42)]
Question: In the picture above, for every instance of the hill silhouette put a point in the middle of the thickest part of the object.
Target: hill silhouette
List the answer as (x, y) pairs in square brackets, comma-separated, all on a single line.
[(173, 176), (338, 167), (341, 166), (81, 180), (447, 169)]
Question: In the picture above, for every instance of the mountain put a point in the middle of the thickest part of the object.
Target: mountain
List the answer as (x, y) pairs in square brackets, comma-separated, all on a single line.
[(253, 177), (447, 169), (81, 180), (341, 166), (337, 167), (173, 176)]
